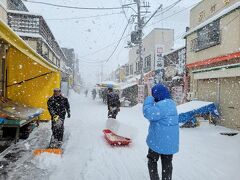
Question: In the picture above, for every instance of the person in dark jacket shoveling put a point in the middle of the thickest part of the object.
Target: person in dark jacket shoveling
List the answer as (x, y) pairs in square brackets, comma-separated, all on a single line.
[(163, 133), (113, 103), (58, 107)]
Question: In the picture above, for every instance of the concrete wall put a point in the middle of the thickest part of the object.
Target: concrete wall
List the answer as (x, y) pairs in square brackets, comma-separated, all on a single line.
[(230, 40), (3, 12)]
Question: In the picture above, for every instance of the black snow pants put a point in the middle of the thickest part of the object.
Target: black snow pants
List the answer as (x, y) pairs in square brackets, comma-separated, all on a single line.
[(166, 160), (112, 112), (58, 129)]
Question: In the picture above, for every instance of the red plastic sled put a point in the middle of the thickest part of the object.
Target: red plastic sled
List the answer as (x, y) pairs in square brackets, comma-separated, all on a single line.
[(114, 139)]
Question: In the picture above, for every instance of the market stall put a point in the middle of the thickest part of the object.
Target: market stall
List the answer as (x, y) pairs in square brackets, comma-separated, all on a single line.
[(29, 78), (16, 119)]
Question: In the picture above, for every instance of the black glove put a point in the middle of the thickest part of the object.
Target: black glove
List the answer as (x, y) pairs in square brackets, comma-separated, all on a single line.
[(69, 115)]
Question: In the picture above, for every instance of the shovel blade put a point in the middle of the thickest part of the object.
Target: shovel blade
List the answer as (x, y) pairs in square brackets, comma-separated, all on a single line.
[(38, 152)]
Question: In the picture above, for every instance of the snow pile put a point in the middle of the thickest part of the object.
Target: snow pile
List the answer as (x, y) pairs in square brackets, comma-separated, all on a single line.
[(190, 106), (47, 161), (204, 153)]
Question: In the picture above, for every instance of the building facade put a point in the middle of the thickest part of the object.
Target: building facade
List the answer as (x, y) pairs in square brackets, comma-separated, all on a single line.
[(35, 31), (157, 39), (213, 56), (157, 42)]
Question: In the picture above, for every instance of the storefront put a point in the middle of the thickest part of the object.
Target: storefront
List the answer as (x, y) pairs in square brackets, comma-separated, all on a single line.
[(219, 83), (26, 77)]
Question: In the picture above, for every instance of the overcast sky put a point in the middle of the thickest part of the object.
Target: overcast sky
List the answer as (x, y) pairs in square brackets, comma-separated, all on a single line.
[(89, 35)]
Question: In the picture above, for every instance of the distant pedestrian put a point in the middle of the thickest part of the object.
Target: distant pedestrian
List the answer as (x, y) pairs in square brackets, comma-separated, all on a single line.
[(104, 95), (94, 94), (58, 107), (163, 134), (86, 92)]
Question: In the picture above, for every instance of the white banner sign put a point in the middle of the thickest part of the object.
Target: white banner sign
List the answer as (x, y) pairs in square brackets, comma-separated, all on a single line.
[(159, 62)]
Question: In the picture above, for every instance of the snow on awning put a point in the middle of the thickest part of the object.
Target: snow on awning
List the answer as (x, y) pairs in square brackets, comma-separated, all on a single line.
[(210, 20), (174, 50), (105, 84), (127, 85)]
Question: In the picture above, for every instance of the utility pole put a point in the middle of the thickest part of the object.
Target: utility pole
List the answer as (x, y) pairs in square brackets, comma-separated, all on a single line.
[(137, 39), (101, 74), (140, 35)]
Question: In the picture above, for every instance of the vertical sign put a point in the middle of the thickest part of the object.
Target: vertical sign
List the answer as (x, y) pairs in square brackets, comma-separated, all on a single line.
[(141, 93), (159, 63)]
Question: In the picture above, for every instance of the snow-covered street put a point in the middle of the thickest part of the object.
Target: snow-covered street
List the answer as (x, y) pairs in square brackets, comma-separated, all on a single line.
[(204, 153)]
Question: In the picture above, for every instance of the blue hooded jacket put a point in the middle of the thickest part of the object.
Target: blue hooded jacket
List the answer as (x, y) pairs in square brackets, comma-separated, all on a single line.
[(161, 111)]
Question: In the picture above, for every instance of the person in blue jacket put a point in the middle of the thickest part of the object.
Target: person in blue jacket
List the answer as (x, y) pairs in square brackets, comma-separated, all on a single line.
[(163, 133)]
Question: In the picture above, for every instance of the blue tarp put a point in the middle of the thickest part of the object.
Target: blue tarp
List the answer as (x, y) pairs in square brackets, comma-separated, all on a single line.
[(188, 111)]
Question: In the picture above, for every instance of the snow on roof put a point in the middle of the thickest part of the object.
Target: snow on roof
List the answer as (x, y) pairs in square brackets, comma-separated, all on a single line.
[(190, 106), (23, 12), (34, 35), (127, 85), (177, 77), (109, 82), (217, 16), (134, 78), (174, 50)]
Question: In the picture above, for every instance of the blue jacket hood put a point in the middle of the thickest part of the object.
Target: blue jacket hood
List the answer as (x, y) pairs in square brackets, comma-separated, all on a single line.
[(160, 92)]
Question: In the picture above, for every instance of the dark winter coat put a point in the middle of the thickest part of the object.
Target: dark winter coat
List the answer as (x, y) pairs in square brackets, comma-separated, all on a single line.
[(58, 105), (113, 100)]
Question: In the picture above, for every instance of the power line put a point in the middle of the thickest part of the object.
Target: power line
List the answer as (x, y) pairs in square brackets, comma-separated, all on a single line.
[(118, 41), (172, 15), (84, 17), (168, 8), (91, 61), (76, 7), (105, 47), (123, 10)]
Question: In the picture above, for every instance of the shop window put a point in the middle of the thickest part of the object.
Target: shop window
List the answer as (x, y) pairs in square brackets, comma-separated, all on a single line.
[(193, 44), (147, 63), (127, 70), (138, 67), (131, 69), (208, 36)]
